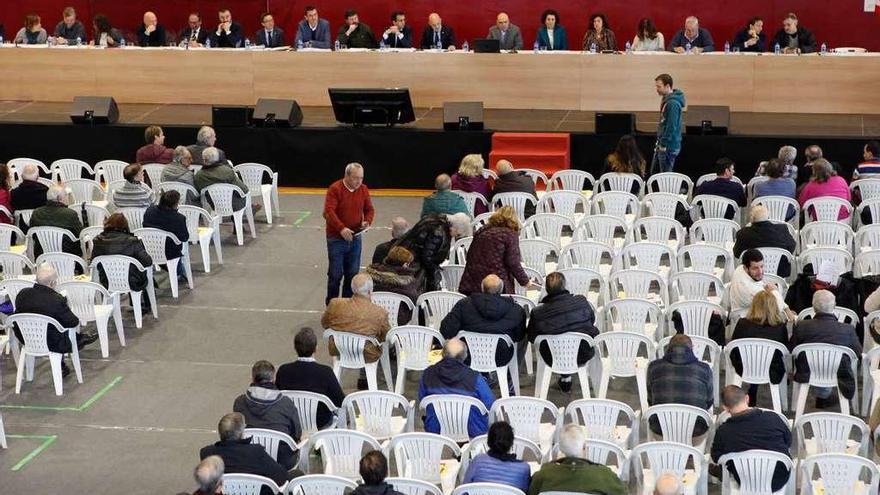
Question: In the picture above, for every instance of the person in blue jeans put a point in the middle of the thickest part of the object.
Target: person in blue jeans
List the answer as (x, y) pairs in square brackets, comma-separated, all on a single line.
[(348, 210), (668, 144)]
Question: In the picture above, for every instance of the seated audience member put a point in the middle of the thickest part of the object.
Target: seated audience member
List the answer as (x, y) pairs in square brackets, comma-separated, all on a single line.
[(240, 456), (308, 375), (699, 39), (764, 233), (763, 321), (776, 184), (748, 280), (825, 329), (151, 33), (793, 38), (105, 33), (600, 34), (205, 138), (6, 193), (216, 171), (786, 157), (437, 34), (154, 151), (488, 312), (263, 406), (626, 159), (551, 34), (117, 239), (398, 35), (510, 180), (396, 275), (42, 299), (495, 251), (32, 33), (57, 214), (469, 178), (312, 31), (69, 30), (429, 241), (164, 216), (679, 377), (812, 153), (358, 315), (399, 226), (373, 469), (573, 472), (29, 194), (209, 476), (444, 201), (355, 34), (179, 171), (723, 185), (752, 38), (194, 35), (499, 464), (825, 182), (647, 38), (667, 484), (749, 429), (228, 33), (870, 167), (452, 376), (508, 35), (134, 193), (271, 36), (562, 312)]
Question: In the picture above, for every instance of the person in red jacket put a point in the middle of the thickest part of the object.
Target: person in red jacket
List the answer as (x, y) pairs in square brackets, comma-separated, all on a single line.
[(154, 151), (348, 210)]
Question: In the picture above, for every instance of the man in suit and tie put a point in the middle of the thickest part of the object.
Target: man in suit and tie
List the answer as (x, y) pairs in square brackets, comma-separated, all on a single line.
[(436, 32), (270, 36), (194, 34), (228, 34), (399, 35), (313, 31), (505, 32)]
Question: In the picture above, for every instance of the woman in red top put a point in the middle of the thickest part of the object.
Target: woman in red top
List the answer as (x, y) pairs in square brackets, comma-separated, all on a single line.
[(825, 182), (5, 187)]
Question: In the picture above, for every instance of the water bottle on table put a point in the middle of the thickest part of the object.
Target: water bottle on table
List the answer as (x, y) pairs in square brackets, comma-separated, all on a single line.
[(465, 46), (122, 43), (777, 49), (336, 45), (726, 47), (299, 44), (593, 48), (629, 47), (687, 47), (247, 44), (824, 49), (79, 41), (537, 47), (381, 44)]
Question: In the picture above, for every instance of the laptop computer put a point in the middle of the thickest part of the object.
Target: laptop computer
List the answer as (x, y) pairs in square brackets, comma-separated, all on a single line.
[(485, 45)]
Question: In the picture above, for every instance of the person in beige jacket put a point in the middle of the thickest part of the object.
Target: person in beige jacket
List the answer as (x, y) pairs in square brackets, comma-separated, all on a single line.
[(358, 315)]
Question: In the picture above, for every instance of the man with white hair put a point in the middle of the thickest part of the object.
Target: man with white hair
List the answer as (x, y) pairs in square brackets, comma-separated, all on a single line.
[(399, 226), (693, 38), (205, 138), (30, 194), (825, 329), (793, 38), (57, 214), (216, 171), (241, 455), (357, 314), (209, 476), (42, 299), (179, 171), (151, 33), (786, 157), (443, 201), (573, 472), (510, 180), (764, 233)]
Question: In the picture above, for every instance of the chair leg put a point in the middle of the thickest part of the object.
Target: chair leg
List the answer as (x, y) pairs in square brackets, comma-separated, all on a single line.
[(502, 381), (101, 322), (205, 248), (172, 277), (267, 204), (777, 402), (530, 360), (218, 248), (386, 370), (151, 293), (513, 366), (19, 375), (239, 233), (844, 403), (138, 310), (585, 382), (642, 383), (371, 371), (337, 369), (803, 390), (401, 377), (117, 319), (2, 434), (55, 363), (249, 213), (188, 269), (546, 377), (275, 203)]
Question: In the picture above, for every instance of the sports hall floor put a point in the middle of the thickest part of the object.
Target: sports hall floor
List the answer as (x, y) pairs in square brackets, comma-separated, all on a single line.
[(137, 422)]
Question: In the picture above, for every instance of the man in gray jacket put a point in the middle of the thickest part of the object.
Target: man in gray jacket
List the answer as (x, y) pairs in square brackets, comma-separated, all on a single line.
[(178, 171), (505, 32)]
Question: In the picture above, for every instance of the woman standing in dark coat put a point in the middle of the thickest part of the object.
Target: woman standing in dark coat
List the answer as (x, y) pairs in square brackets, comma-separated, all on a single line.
[(763, 321), (495, 250)]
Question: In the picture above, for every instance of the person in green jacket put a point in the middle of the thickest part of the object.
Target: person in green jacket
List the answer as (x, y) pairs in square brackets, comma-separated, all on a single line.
[(218, 172), (444, 201), (574, 473), (668, 144), (57, 214)]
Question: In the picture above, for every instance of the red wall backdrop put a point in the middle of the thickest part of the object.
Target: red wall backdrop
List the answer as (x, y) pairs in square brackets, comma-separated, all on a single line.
[(839, 23)]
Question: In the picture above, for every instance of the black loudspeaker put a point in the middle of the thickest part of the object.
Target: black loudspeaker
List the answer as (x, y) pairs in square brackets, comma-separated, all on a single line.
[(615, 123), (463, 115), (226, 116), (704, 120), (277, 113), (94, 110)]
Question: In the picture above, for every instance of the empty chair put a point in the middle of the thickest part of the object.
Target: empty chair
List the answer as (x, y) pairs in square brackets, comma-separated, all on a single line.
[(69, 168), (868, 213), (436, 305), (564, 351), (84, 190), (317, 484), (451, 277), (116, 270), (606, 420), (823, 361), (14, 264), (651, 256), (373, 412), (396, 305), (659, 229), (671, 183), (594, 255), (840, 259), (634, 315), (95, 214), (90, 301), (649, 461), (696, 286), (307, 404), (7, 234), (678, 423), (621, 205), (65, 264), (341, 451), (33, 328), (607, 229), (425, 456), (570, 204), (571, 180), (407, 486), (548, 227), (757, 356), (534, 253), (624, 355), (220, 196), (706, 206), (695, 316), (204, 229), (108, 171), (350, 350), (826, 209), (588, 283), (527, 417), (719, 231), (831, 433), (50, 239), (706, 258), (755, 469), (413, 344), (483, 348), (666, 205), (867, 188), (153, 172), (621, 182), (252, 175), (248, 484), (867, 263), (839, 473), (185, 190), (471, 199), (452, 414), (154, 241), (827, 234), (642, 284), (519, 201)]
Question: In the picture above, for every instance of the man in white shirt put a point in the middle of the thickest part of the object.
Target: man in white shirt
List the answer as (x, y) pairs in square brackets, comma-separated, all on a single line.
[(748, 280)]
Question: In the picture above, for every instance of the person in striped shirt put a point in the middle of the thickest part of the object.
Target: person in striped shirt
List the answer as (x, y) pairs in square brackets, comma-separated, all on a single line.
[(134, 194)]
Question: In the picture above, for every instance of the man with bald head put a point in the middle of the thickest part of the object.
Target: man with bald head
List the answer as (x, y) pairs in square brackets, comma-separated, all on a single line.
[(507, 34), (30, 194), (510, 180), (452, 376), (209, 476), (699, 39), (437, 34), (151, 33), (444, 201), (667, 484), (764, 233)]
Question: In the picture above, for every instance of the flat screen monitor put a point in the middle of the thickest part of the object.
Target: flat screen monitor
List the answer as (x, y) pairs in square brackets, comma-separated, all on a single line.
[(485, 45), (372, 106)]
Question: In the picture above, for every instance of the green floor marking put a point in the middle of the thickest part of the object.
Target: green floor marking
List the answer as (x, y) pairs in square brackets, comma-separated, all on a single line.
[(47, 441), (302, 216), (85, 405)]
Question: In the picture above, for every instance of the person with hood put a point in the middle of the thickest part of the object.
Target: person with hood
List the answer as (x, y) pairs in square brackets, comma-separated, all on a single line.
[(495, 251), (374, 469), (117, 239), (216, 171), (510, 180), (444, 201), (451, 376), (679, 377), (429, 241), (488, 312), (469, 178), (154, 151), (263, 406), (179, 171), (396, 275), (562, 312), (668, 144)]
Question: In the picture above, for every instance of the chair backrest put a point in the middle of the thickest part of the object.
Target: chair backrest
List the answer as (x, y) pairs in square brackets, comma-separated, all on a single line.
[(407, 486), (413, 344), (12, 286), (572, 180), (252, 175), (341, 450), (33, 329), (452, 413), (6, 233), (185, 190), (392, 303), (116, 268), (632, 315), (868, 188), (827, 234), (867, 263), (307, 408), (516, 200), (350, 347), (247, 484), (84, 190), (536, 176), (643, 284), (695, 316), (621, 350), (841, 259), (525, 415), (705, 258), (470, 200), (370, 411), (134, 216), (64, 263), (695, 286), (111, 187), (451, 276), (17, 164), (662, 204), (778, 207), (194, 217), (109, 170), (565, 203), (710, 206), (670, 182), (418, 455), (319, 484), (586, 254), (482, 348), (459, 249), (50, 238), (830, 432), (153, 171), (604, 453), (665, 457), (677, 421), (756, 356), (221, 196), (14, 264), (658, 229), (843, 315), (616, 204), (648, 256), (69, 168), (547, 226), (82, 296), (154, 242), (270, 440), (825, 209), (602, 417), (582, 281), (754, 469), (718, 231), (823, 361), (95, 215), (841, 473), (602, 228), (615, 181), (436, 305), (486, 489), (534, 253)]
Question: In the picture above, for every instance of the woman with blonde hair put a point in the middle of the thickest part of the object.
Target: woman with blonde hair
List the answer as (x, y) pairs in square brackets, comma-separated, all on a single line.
[(495, 250), (763, 321), (469, 178)]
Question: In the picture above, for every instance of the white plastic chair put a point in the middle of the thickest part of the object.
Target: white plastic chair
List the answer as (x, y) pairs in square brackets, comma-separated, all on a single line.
[(843, 315), (866, 263), (451, 277), (154, 241), (840, 258), (14, 264), (839, 473), (572, 180), (649, 461), (870, 368), (649, 256), (695, 317), (873, 208), (588, 283), (203, 235), (642, 284), (719, 231), (677, 423), (270, 440), (420, 456), (867, 237), (7, 232), (318, 484), (12, 286), (706, 258), (588, 254), (482, 348), (709, 206), (108, 171), (526, 416), (827, 234), (116, 268), (831, 433), (112, 187), (458, 250), (90, 301), (602, 419), (17, 164), (220, 195), (33, 329), (548, 227), (373, 412), (712, 176), (670, 182), (413, 344), (407, 486), (341, 451), (755, 469), (471, 199), (516, 200), (633, 315), (453, 412), (661, 204), (605, 454), (570, 204), (351, 356), (307, 409), (823, 361), (247, 484), (615, 181), (486, 489), (624, 355), (696, 286), (64, 263), (87, 237), (185, 190), (51, 239), (95, 214), (778, 208), (435, 305), (153, 171), (134, 216), (707, 351), (606, 229), (621, 205), (757, 356), (868, 188), (392, 303), (252, 176), (659, 229), (69, 168), (534, 254), (84, 190), (825, 209)]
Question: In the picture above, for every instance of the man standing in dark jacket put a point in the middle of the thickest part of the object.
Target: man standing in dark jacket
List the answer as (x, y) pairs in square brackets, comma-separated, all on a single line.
[(679, 377), (764, 233), (310, 376), (793, 38), (825, 329), (164, 216), (263, 406), (510, 180), (561, 312), (668, 145)]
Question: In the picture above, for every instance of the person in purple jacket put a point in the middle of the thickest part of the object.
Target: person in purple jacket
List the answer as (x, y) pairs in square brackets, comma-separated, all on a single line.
[(469, 178)]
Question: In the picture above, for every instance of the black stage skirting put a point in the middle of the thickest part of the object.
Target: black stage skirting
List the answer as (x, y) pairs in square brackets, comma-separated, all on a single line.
[(394, 158)]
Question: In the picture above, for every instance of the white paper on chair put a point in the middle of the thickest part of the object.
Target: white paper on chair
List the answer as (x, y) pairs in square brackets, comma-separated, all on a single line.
[(829, 272)]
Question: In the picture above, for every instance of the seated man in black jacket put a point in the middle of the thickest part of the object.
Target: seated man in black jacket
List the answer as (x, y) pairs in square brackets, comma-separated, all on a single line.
[(164, 216), (764, 233), (30, 194), (310, 376), (510, 180), (560, 312), (399, 226)]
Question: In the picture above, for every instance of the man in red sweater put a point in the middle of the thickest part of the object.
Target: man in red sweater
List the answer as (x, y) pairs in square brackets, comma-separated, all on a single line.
[(347, 210)]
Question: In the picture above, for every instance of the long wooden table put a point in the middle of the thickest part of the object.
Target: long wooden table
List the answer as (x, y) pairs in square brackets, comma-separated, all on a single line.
[(547, 80)]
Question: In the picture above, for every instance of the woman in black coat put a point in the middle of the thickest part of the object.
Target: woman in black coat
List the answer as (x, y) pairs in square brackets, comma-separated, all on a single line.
[(763, 321), (117, 239)]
